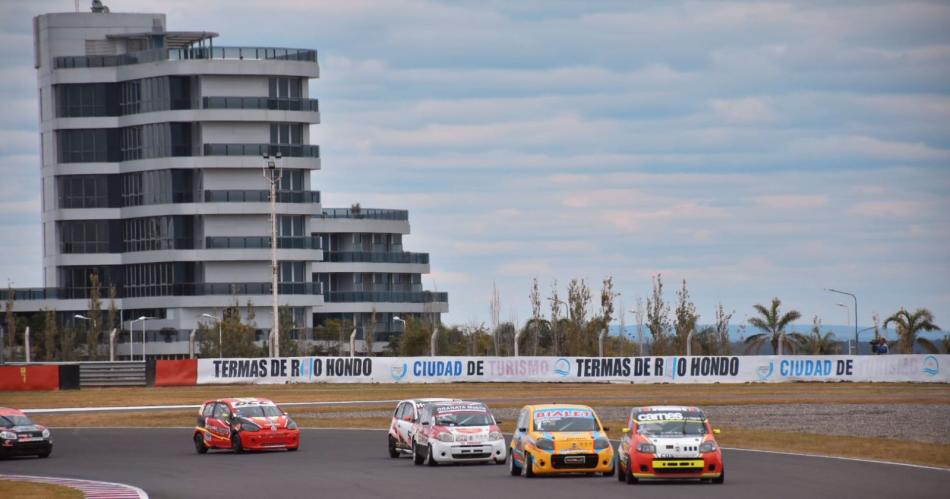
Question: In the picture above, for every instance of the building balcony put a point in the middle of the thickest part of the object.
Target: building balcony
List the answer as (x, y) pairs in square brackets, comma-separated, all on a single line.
[(251, 242), (269, 103), (287, 150), (186, 54), (260, 196), (375, 257), (365, 213), (386, 297)]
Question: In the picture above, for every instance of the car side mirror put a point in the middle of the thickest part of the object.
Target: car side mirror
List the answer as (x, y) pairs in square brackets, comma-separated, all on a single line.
[(716, 431), (625, 430), (605, 428), (522, 430), (498, 421), (425, 423)]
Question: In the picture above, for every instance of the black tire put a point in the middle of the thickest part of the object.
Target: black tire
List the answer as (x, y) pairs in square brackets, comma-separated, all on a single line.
[(430, 459), (721, 478), (416, 458), (621, 473), (513, 467), (527, 470), (393, 452), (200, 446), (628, 476), (236, 445), (292, 449)]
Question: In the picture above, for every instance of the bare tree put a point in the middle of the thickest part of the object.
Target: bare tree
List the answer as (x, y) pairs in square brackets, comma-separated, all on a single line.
[(369, 333), (495, 306), (607, 297), (638, 314), (686, 318), (722, 330), (535, 298), (50, 336), (95, 317), (658, 318), (578, 302), (10, 319), (555, 318)]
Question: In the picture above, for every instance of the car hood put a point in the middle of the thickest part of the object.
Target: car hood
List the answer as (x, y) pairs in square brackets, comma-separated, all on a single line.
[(266, 423), (27, 428), (469, 433), (571, 441)]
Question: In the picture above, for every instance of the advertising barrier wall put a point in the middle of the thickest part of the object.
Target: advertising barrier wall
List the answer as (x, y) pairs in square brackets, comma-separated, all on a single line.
[(175, 372), (28, 377), (725, 369)]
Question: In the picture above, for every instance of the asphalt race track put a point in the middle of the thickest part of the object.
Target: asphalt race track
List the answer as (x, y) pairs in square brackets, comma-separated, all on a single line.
[(354, 463)]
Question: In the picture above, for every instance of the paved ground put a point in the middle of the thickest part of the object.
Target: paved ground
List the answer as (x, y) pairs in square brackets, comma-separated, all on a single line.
[(340, 463)]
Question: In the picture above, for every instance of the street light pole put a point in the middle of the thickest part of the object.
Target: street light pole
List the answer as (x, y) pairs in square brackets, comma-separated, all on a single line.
[(273, 175), (220, 343), (131, 338), (855, 298), (847, 320)]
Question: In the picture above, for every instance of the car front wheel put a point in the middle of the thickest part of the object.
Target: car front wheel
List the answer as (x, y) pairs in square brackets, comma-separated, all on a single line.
[(417, 458), (236, 444), (629, 475), (430, 458), (393, 452), (527, 470), (721, 478), (513, 467), (200, 446)]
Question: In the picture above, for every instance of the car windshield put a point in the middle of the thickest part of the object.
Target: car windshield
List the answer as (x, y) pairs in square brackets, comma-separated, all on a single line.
[(672, 428), (565, 420), (258, 411), (11, 420), (464, 418)]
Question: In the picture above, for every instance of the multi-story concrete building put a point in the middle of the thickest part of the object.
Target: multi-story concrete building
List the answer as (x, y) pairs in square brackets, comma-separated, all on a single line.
[(152, 156)]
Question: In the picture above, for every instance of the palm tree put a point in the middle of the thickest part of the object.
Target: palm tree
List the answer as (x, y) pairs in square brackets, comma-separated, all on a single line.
[(772, 323), (818, 344), (946, 343), (908, 325)]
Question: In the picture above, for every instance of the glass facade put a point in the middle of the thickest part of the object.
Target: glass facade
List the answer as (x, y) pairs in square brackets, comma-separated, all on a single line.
[(87, 191), (86, 236), (156, 140), (158, 233)]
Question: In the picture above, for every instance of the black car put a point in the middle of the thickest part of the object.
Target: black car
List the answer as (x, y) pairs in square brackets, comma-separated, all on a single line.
[(19, 436)]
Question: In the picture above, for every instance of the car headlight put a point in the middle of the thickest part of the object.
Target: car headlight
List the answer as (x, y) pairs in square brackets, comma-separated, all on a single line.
[(646, 448), (46, 434), (8, 435), (544, 444), (248, 426), (601, 443), (709, 446), (291, 424), (496, 435), (446, 437)]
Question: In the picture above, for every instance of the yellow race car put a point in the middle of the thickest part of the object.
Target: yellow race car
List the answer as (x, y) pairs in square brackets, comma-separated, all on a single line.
[(559, 438)]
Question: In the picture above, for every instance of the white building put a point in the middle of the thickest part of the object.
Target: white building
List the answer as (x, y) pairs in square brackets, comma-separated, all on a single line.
[(152, 144)]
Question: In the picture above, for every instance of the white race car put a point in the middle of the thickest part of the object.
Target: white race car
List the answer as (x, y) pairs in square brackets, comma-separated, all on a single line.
[(457, 432), (404, 417)]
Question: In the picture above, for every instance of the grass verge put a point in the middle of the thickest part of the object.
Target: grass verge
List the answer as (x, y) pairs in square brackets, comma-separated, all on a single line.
[(29, 490)]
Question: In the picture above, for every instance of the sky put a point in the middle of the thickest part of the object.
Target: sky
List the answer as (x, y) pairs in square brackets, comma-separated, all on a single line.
[(756, 150)]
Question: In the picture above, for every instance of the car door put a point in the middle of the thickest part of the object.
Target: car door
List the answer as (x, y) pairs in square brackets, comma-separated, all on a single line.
[(517, 438), (219, 425), (423, 426), (404, 422)]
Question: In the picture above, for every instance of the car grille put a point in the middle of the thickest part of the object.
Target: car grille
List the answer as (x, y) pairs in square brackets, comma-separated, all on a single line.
[(573, 461), (472, 455), (30, 434), (675, 470)]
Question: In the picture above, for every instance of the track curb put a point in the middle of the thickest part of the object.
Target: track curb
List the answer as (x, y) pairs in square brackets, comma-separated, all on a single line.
[(92, 489)]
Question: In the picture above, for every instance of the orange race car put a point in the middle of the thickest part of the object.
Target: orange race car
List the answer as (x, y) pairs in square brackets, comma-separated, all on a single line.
[(243, 424), (669, 442)]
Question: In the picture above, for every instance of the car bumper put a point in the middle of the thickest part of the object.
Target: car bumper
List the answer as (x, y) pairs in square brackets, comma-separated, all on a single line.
[(705, 466), (549, 463), (9, 448), (266, 439), (469, 452)]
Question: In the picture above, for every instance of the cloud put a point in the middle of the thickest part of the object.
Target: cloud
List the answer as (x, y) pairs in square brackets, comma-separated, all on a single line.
[(792, 201)]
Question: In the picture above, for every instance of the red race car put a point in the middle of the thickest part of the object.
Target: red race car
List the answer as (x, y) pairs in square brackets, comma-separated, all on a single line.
[(19, 436), (242, 424)]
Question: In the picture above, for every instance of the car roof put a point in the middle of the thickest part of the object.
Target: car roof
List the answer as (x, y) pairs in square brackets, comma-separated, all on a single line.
[(242, 400), (667, 408), (9, 411), (537, 407)]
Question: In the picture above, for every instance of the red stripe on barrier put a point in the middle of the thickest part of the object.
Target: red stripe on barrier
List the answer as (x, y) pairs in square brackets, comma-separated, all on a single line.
[(176, 372), (22, 378)]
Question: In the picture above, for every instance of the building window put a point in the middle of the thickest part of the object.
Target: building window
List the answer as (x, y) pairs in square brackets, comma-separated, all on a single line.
[(157, 233), (83, 191), (84, 236), (85, 99), (291, 180), (286, 133), (290, 226), (285, 88), (292, 272), (85, 145), (131, 143)]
